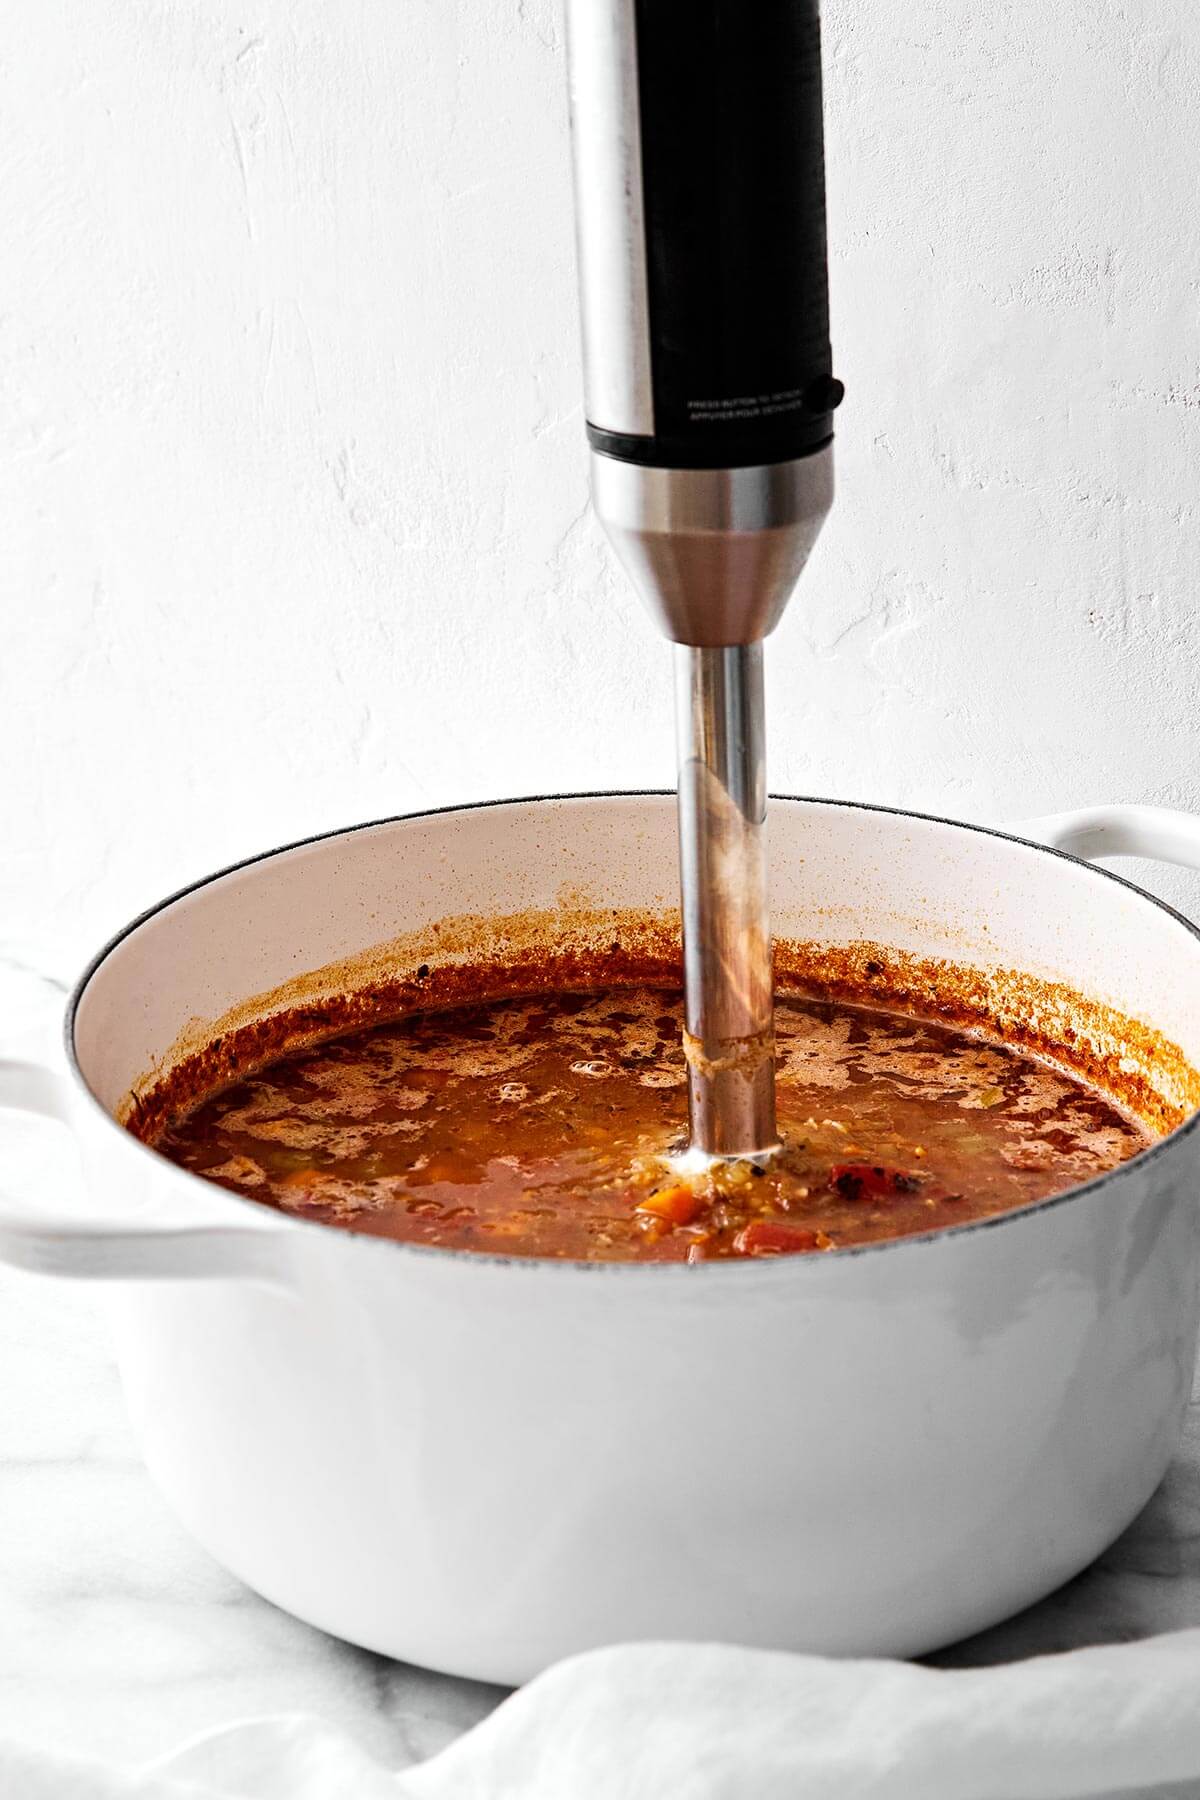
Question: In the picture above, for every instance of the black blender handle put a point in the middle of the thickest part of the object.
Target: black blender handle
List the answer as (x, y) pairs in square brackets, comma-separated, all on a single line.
[(731, 221)]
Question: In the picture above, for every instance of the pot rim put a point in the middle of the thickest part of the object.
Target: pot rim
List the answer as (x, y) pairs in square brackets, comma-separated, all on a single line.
[(781, 1266)]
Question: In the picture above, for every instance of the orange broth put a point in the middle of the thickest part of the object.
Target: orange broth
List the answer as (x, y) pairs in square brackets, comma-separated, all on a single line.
[(540, 1126)]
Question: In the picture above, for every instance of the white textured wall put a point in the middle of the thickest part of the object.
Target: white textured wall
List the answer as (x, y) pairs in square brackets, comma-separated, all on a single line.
[(292, 486)]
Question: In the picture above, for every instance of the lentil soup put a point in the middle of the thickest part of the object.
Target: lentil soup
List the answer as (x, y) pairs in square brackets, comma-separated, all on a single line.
[(541, 1126)]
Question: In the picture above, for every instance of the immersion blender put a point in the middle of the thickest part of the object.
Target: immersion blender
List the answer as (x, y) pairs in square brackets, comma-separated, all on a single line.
[(700, 211)]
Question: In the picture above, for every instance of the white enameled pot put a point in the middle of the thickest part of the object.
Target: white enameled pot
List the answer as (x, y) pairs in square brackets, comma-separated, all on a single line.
[(483, 1464)]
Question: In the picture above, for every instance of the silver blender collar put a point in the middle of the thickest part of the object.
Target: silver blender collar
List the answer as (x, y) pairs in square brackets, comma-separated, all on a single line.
[(714, 553)]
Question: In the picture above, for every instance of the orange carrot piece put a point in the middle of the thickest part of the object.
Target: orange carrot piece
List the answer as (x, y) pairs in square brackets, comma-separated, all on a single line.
[(678, 1205)]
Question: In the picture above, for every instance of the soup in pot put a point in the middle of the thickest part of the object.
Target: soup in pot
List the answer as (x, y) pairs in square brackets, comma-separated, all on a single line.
[(542, 1126)]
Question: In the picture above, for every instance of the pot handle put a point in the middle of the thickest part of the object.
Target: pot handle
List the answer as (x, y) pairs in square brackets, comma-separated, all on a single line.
[(1155, 832), (63, 1246)]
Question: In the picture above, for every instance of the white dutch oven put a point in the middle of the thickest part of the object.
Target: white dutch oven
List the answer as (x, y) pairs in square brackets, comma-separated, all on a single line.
[(482, 1465)]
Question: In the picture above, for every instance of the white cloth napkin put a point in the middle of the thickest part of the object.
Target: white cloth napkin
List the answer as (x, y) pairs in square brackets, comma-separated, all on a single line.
[(710, 1722)]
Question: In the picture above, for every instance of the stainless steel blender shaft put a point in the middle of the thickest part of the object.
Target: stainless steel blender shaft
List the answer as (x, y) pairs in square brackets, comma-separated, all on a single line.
[(729, 1034), (716, 553)]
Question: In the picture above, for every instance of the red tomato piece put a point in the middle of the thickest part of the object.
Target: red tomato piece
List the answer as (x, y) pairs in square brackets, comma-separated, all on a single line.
[(859, 1181), (764, 1237)]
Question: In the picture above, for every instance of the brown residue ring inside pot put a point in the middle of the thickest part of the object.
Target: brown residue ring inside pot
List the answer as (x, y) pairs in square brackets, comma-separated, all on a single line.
[(465, 959)]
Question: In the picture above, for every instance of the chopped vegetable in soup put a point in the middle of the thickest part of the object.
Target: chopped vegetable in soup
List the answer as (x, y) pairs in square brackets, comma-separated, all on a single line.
[(540, 1126)]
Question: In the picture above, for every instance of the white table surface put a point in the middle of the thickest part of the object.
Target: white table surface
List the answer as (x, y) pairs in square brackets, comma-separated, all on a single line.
[(119, 1636)]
